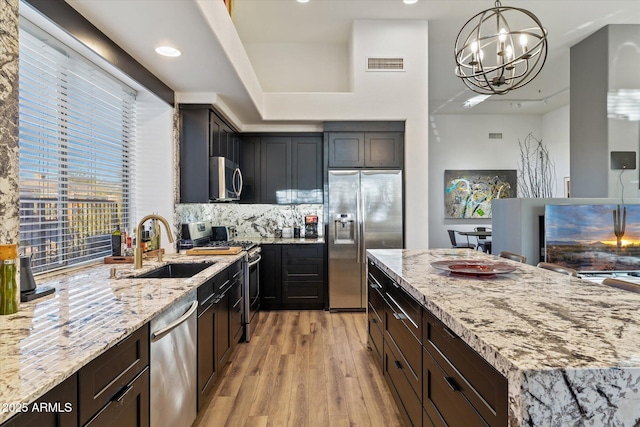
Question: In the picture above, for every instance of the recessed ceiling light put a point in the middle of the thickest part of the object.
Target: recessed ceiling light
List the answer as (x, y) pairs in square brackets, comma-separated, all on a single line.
[(410, 1), (168, 51), (302, 1)]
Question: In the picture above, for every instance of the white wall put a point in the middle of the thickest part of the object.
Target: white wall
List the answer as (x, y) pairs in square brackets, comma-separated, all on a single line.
[(380, 96), (287, 67), (154, 163), (462, 142), (555, 135)]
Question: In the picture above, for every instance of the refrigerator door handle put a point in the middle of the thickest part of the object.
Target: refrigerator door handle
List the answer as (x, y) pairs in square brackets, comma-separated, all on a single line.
[(362, 225), (357, 226)]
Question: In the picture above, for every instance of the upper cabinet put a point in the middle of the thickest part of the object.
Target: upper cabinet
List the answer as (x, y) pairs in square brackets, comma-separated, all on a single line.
[(203, 134), (282, 169), (366, 149)]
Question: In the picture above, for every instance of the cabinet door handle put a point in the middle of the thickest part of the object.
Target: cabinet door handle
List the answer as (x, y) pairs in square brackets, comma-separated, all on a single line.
[(118, 397), (449, 332), (400, 316), (398, 364), (375, 284), (452, 384), (374, 321)]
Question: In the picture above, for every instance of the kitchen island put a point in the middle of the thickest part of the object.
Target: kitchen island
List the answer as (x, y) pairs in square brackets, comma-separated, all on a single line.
[(569, 348), (51, 338)]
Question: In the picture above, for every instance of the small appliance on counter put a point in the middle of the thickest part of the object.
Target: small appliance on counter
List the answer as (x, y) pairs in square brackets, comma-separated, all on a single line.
[(311, 226), (28, 289)]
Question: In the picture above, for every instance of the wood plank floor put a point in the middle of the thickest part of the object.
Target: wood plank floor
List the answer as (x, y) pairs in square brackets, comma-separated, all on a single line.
[(303, 368)]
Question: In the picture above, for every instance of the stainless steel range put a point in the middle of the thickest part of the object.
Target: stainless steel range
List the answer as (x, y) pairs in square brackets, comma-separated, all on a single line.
[(199, 234)]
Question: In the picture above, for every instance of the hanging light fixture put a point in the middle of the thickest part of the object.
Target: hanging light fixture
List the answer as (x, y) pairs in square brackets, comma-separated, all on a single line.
[(500, 49)]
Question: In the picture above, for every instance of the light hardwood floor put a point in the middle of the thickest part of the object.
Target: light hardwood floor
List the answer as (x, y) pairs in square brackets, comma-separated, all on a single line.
[(303, 368)]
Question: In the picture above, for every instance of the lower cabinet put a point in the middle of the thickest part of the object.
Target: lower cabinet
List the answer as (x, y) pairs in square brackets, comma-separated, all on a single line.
[(434, 376), (57, 408), (292, 276), (115, 382), (220, 325), (128, 408)]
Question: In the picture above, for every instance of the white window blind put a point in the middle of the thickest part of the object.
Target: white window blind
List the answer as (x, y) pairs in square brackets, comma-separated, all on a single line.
[(76, 130)]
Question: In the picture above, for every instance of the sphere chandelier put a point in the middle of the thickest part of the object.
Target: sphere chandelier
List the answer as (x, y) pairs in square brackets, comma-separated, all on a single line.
[(500, 49)]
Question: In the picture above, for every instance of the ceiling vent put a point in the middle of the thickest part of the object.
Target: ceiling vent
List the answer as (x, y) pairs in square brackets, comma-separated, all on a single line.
[(385, 64), (495, 135)]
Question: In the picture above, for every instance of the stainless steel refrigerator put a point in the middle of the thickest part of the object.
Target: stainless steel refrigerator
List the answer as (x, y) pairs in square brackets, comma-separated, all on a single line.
[(365, 212)]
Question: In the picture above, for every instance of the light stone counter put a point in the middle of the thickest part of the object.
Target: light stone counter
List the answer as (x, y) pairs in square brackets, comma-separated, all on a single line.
[(51, 338), (569, 348)]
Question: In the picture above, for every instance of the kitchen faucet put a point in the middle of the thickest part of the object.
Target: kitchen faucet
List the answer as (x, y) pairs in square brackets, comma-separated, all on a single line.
[(138, 252)]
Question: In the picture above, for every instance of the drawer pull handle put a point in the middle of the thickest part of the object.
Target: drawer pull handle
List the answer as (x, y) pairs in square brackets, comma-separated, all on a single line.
[(375, 286), (452, 384), (400, 316), (118, 398), (449, 332), (398, 364)]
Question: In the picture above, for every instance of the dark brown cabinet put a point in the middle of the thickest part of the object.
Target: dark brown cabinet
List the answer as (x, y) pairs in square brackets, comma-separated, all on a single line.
[(376, 282), (275, 170), (434, 376), (106, 382), (219, 325), (270, 276), (282, 169), (366, 150), (460, 386), (292, 276), (203, 134), (57, 408)]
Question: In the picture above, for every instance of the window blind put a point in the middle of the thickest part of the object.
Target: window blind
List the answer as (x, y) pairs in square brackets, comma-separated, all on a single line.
[(76, 130)]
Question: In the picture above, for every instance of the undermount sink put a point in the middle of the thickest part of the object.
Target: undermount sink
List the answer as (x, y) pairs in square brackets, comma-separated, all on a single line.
[(176, 270)]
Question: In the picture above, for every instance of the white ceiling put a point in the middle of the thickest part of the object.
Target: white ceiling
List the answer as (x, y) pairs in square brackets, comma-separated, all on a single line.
[(140, 25)]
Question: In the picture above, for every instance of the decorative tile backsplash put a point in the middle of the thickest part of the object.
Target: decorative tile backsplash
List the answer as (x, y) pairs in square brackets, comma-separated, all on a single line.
[(249, 220)]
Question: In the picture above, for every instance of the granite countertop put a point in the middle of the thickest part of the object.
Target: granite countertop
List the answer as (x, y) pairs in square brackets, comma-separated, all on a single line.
[(281, 240), (569, 348), (51, 338)]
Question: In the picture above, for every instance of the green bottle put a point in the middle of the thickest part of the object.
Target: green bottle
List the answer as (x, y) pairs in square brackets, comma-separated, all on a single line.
[(116, 242), (9, 291)]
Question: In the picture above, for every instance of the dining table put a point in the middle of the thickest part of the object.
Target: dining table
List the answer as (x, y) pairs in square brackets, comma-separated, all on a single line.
[(478, 234)]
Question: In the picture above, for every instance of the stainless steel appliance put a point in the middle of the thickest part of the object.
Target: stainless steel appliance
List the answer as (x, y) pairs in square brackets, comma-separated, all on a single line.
[(311, 226), (365, 212), (203, 234), (225, 180), (173, 356)]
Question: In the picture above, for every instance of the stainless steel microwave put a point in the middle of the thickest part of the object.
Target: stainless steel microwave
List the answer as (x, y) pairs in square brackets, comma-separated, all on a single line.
[(225, 180)]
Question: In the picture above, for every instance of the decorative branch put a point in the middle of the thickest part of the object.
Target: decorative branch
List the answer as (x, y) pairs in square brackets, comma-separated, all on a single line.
[(536, 171)]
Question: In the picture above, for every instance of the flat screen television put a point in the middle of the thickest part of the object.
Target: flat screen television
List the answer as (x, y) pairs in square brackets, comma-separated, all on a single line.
[(583, 237)]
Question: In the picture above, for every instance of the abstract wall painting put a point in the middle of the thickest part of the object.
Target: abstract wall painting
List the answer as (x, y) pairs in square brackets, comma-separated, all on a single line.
[(469, 193)]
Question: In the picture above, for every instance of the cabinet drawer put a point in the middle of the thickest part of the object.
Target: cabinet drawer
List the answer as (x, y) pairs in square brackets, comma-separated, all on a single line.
[(375, 337), (130, 408), (300, 270), (105, 376), (396, 372), (302, 291), (444, 399), (487, 388), (377, 277), (290, 252), (376, 304), (404, 309)]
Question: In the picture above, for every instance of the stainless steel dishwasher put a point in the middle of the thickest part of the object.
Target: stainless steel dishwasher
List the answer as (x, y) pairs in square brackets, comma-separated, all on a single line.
[(173, 356)]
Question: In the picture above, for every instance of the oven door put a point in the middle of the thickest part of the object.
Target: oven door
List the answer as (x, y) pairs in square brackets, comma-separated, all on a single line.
[(252, 293)]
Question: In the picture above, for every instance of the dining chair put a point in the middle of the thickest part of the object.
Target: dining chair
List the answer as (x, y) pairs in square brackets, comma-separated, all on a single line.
[(622, 284), (454, 244), (513, 256), (483, 243), (558, 268)]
